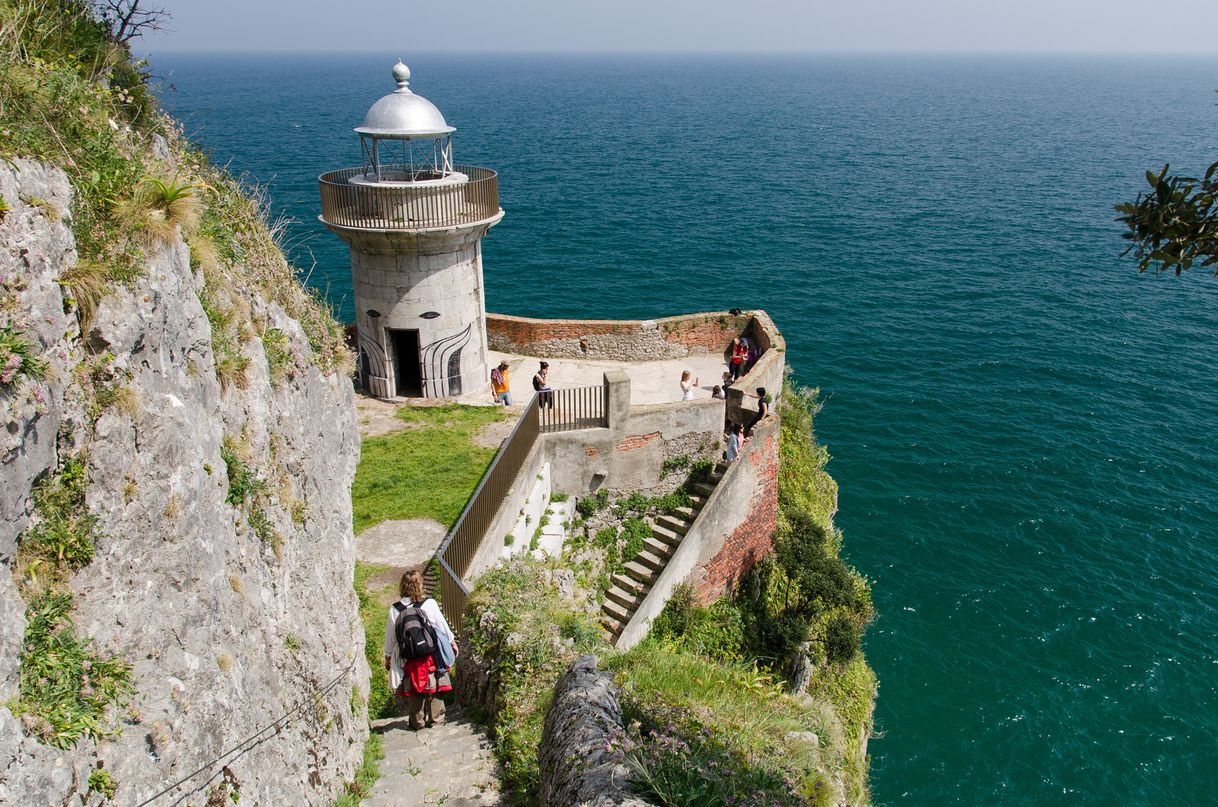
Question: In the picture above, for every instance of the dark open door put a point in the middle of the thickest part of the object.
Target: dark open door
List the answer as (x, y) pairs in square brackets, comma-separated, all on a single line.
[(407, 368)]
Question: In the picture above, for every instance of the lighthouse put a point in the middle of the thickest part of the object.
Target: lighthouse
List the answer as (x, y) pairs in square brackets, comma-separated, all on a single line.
[(414, 223)]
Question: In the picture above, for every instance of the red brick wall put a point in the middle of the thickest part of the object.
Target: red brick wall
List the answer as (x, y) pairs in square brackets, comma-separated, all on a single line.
[(754, 538), (669, 337)]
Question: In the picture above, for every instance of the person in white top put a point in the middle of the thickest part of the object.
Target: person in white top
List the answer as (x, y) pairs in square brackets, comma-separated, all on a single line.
[(416, 682), (687, 385)]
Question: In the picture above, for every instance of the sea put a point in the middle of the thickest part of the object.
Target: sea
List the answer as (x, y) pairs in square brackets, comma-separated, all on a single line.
[(1024, 428)]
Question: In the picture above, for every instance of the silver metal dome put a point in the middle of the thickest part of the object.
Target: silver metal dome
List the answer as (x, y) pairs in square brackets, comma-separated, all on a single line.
[(402, 115)]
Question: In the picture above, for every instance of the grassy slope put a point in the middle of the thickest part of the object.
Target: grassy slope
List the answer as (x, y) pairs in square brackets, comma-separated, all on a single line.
[(428, 471)]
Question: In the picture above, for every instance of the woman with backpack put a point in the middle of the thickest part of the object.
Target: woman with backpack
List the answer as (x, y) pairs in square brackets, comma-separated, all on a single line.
[(419, 651)]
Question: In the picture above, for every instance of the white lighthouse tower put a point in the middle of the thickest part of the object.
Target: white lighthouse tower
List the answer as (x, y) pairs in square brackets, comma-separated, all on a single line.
[(414, 223)]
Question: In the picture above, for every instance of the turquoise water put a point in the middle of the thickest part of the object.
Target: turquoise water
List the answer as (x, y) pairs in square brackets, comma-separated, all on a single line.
[(1023, 428)]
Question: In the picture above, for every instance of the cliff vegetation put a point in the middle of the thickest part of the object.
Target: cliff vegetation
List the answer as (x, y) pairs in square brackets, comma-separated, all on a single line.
[(179, 442)]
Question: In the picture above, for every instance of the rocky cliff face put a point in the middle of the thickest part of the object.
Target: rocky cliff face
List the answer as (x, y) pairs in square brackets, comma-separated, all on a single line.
[(223, 545)]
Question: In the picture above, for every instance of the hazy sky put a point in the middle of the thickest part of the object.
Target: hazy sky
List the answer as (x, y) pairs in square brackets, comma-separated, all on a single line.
[(715, 25)]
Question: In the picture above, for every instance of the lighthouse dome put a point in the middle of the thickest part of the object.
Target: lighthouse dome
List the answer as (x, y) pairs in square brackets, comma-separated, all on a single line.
[(402, 115)]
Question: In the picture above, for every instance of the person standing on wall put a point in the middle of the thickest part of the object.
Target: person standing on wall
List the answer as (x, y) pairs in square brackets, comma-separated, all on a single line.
[(499, 384), (420, 649), (541, 384)]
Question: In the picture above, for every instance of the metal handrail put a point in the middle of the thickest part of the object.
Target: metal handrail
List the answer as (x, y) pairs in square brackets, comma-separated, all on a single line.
[(403, 206)]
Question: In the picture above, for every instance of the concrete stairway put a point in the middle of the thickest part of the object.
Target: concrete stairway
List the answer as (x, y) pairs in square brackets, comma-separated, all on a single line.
[(628, 590), (449, 764)]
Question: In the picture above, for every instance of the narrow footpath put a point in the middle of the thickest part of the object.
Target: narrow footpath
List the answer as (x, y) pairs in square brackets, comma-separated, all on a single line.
[(450, 764)]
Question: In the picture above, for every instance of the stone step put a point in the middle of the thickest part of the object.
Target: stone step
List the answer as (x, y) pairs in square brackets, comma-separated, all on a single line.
[(697, 502), (628, 584), (687, 513), (651, 561), (612, 626), (655, 546), (624, 598), (616, 611), (673, 524), (703, 488), (640, 572), (668, 536)]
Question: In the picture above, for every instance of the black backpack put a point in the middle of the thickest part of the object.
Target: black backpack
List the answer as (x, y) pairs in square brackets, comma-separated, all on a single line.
[(415, 636)]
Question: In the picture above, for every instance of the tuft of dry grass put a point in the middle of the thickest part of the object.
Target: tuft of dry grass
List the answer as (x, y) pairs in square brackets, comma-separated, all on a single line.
[(89, 282)]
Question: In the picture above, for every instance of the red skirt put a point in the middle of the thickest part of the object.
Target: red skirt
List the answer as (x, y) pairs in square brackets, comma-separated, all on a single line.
[(420, 678)]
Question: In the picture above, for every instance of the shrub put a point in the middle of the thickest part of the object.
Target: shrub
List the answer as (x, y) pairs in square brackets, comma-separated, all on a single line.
[(63, 539), (589, 505), (716, 632), (525, 669), (279, 359), (635, 531), (101, 783), (67, 688), (841, 638), (243, 483), (18, 358), (559, 496), (674, 464)]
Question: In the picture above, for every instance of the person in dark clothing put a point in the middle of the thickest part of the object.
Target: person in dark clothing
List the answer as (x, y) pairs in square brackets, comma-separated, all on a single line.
[(541, 385), (763, 409)]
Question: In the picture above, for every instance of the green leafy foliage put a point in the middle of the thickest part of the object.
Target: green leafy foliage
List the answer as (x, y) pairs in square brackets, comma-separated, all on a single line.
[(100, 782), (66, 686), (63, 538), (243, 481), (674, 464), (374, 614), (726, 721), (1175, 223), (589, 505), (18, 358)]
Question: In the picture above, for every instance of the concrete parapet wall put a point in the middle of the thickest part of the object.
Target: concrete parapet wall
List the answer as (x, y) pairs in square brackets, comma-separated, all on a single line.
[(630, 453), (734, 530), (616, 340)]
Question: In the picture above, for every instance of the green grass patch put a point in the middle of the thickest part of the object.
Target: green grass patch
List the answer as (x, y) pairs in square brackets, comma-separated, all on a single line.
[(365, 775), (427, 471), (374, 614), (67, 687)]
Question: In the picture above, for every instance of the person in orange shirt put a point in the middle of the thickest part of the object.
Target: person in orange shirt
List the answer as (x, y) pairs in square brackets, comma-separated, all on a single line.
[(499, 384)]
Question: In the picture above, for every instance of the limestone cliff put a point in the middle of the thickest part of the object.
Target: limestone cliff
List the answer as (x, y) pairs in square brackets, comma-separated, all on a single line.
[(222, 559)]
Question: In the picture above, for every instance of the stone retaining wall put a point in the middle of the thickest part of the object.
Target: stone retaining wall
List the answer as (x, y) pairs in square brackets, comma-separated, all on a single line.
[(584, 718)]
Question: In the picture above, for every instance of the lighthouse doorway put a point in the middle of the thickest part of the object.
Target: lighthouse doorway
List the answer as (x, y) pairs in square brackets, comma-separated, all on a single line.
[(407, 366)]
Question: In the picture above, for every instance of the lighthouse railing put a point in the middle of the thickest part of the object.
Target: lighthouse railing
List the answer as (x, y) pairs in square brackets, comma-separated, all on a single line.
[(406, 206)]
